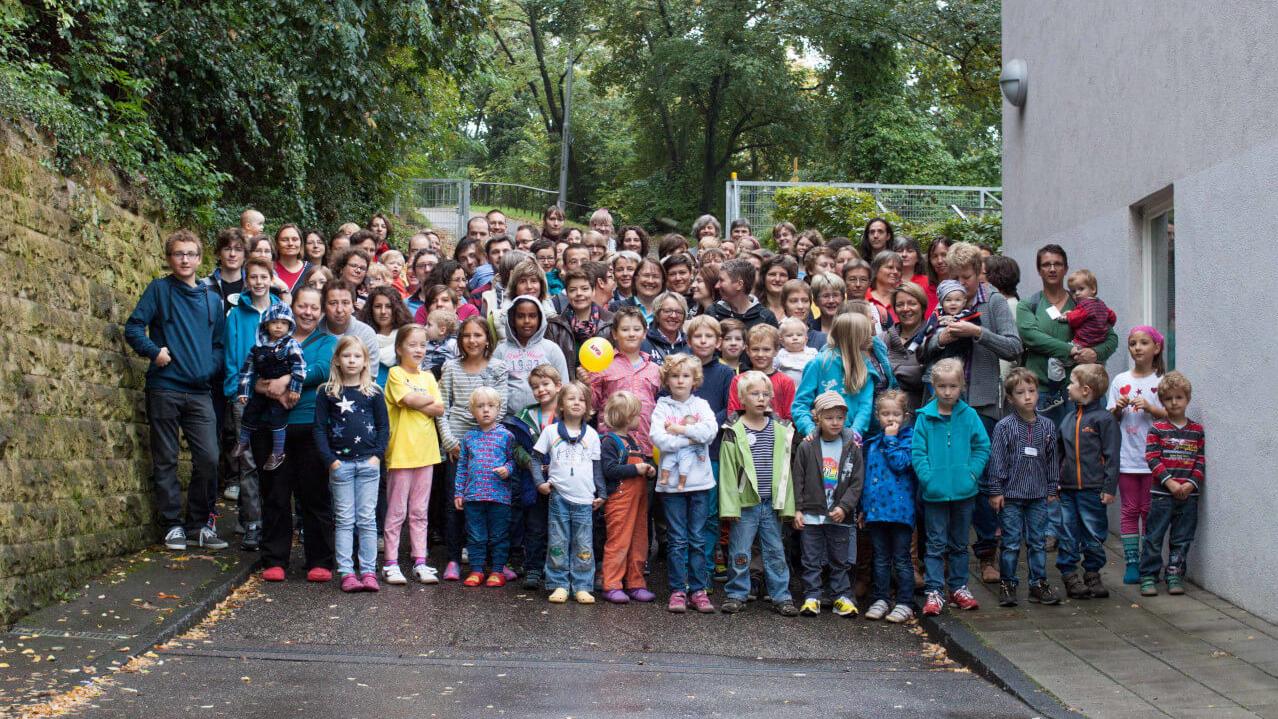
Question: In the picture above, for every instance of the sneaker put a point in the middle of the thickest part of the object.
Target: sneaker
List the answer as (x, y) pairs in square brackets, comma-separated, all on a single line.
[(678, 603), (1175, 585), (701, 602), (231, 493), (934, 605), (208, 539), (731, 606), (964, 599), (1006, 594), (810, 608), (273, 462), (720, 573), (1043, 593), (844, 607), (1074, 587), (989, 572), (900, 614), (510, 574), (273, 574), (1149, 586), (786, 608), (474, 579), (369, 580), (425, 574), (252, 538), (452, 572), (319, 575), (175, 539), (392, 575), (584, 597), (616, 596), (878, 610), (641, 595), (559, 596), (495, 580), (1094, 585), (351, 584)]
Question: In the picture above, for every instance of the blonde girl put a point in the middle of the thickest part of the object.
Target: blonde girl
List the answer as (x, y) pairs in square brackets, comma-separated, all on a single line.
[(351, 430), (412, 404), (841, 367)]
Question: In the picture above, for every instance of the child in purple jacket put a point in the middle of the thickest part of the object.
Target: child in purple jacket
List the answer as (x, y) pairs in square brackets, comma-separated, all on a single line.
[(483, 489)]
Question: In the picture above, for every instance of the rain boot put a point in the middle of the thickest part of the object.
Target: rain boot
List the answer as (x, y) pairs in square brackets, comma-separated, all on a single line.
[(1131, 556)]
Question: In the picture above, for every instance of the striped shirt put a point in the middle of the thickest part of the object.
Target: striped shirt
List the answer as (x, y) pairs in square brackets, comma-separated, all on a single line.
[(1176, 453), (455, 387), (762, 444), (1024, 460)]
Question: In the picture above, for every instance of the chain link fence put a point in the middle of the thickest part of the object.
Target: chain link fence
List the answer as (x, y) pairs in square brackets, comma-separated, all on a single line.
[(755, 201)]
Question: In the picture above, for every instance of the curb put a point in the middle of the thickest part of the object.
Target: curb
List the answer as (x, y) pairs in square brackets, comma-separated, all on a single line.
[(966, 647), (196, 612)]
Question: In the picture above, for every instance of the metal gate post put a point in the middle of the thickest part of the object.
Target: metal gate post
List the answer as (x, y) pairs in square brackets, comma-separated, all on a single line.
[(463, 208)]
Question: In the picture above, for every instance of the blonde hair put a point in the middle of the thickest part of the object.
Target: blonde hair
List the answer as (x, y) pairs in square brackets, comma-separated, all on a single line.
[(483, 393), (963, 254), (1093, 377), (827, 281), (621, 409), (445, 319), (389, 254), (950, 367), (1175, 380), (848, 335), (677, 362), (704, 322), (750, 380), (574, 386), (333, 387), (896, 396), (763, 332), (793, 323), (378, 271), (1085, 276), (523, 269)]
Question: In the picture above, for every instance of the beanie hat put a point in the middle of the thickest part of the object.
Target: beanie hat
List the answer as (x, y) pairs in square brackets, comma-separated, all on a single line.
[(828, 400), (948, 286)]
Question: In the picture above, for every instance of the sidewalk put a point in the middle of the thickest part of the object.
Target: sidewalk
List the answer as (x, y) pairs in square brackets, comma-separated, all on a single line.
[(142, 600), (1130, 656)]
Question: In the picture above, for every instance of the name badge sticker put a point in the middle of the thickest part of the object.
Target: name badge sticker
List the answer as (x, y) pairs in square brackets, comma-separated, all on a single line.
[(1053, 312), (1031, 452)]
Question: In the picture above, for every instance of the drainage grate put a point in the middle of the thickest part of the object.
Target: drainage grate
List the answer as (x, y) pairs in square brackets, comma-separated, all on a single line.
[(63, 634)]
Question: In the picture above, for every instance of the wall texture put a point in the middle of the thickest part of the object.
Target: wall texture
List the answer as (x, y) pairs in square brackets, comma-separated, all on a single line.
[(1129, 99), (74, 469)]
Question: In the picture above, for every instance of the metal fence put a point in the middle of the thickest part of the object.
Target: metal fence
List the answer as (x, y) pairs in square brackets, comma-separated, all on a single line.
[(446, 204), (755, 201)]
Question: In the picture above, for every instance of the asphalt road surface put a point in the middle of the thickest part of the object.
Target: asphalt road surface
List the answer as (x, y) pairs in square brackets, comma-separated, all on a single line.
[(306, 650)]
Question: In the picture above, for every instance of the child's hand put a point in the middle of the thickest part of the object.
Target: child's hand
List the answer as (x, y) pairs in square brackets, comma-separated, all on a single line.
[(1122, 402), (454, 453), (1140, 404), (891, 428), (333, 467), (838, 515), (544, 488), (1107, 498), (291, 399), (374, 461), (458, 503), (797, 521), (596, 503), (996, 502), (502, 472), (584, 376), (860, 520), (675, 428), (163, 358), (945, 320), (242, 399)]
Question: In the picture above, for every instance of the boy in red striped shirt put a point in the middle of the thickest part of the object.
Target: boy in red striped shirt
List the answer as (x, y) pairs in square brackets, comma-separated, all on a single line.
[(1175, 451)]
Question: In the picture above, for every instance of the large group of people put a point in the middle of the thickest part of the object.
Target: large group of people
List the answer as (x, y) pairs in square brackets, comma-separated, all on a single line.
[(853, 413)]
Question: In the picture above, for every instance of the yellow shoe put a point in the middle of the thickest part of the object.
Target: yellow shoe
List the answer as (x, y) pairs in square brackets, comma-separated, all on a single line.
[(843, 607), (584, 597), (810, 608), (559, 596)]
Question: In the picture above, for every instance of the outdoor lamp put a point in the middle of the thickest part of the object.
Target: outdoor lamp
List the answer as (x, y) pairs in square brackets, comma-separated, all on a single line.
[(1014, 81)]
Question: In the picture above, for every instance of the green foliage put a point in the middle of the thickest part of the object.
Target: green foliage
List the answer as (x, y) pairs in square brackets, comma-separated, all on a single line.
[(984, 230), (834, 211)]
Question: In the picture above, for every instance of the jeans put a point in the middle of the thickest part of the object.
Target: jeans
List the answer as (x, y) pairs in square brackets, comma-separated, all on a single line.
[(192, 413), (243, 471), (1084, 524), (1053, 403), (758, 521), (685, 548), (487, 535), (948, 525), (710, 530), (892, 561), (1024, 520), (301, 475), (1181, 519), (570, 556), (826, 545), (984, 520), (354, 488)]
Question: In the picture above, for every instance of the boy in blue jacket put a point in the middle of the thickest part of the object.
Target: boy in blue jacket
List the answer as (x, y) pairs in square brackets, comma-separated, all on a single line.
[(949, 453)]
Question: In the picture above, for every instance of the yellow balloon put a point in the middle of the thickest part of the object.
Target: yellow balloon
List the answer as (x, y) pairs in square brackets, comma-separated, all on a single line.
[(596, 354)]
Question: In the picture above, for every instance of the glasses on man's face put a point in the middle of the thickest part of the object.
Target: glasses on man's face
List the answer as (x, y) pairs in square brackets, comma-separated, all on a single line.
[(357, 268), (185, 255), (1052, 265)]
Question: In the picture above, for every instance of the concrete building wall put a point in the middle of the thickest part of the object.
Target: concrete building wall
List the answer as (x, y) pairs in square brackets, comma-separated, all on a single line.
[(1127, 100)]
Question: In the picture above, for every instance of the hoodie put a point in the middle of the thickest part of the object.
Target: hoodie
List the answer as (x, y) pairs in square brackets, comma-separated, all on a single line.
[(272, 359), (521, 357), (1091, 444), (755, 314), (700, 428), (239, 337), (189, 321), (716, 378), (949, 452), (821, 375), (657, 345)]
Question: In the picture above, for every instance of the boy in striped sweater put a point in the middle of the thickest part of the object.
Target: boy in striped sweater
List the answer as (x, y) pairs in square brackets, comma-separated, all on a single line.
[(1175, 451)]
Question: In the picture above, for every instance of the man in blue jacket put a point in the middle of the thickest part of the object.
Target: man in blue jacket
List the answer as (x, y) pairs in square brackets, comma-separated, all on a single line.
[(178, 326)]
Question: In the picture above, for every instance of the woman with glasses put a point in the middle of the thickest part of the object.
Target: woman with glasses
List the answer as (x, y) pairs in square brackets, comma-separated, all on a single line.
[(352, 268)]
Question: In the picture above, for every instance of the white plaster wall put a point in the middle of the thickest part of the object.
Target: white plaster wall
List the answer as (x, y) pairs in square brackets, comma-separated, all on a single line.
[(1127, 99)]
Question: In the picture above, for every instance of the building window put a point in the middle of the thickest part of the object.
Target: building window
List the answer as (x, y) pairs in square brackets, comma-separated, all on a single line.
[(1160, 274)]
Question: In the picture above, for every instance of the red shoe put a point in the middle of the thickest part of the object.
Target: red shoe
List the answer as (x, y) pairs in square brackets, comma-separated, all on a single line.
[(964, 599), (273, 574), (935, 604), (318, 574), (474, 579), (496, 579)]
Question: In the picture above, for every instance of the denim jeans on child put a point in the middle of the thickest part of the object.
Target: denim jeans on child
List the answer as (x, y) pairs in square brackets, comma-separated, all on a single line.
[(948, 525), (1053, 404), (685, 538), (1084, 524), (710, 530), (570, 556), (354, 488), (891, 542), (758, 521), (826, 545), (487, 535), (1024, 522), (1181, 519)]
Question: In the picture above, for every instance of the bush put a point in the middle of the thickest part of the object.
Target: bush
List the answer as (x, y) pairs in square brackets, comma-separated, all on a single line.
[(834, 211), (979, 230)]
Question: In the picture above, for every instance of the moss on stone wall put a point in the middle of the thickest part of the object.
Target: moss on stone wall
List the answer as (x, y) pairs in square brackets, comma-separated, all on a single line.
[(74, 466)]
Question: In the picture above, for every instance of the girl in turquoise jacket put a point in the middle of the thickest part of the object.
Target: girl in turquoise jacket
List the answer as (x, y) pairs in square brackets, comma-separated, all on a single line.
[(949, 454), (840, 367)]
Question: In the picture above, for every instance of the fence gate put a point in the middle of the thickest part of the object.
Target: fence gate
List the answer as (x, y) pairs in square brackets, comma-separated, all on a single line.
[(445, 204), (755, 201)]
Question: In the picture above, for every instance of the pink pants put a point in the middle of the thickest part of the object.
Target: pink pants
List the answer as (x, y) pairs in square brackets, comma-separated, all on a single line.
[(1133, 508), (407, 494)]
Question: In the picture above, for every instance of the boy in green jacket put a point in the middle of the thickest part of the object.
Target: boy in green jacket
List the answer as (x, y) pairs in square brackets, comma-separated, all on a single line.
[(949, 453), (755, 494)]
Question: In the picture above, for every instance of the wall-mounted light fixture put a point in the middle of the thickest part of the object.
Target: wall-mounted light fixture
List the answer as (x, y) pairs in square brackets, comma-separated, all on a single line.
[(1014, 81)]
